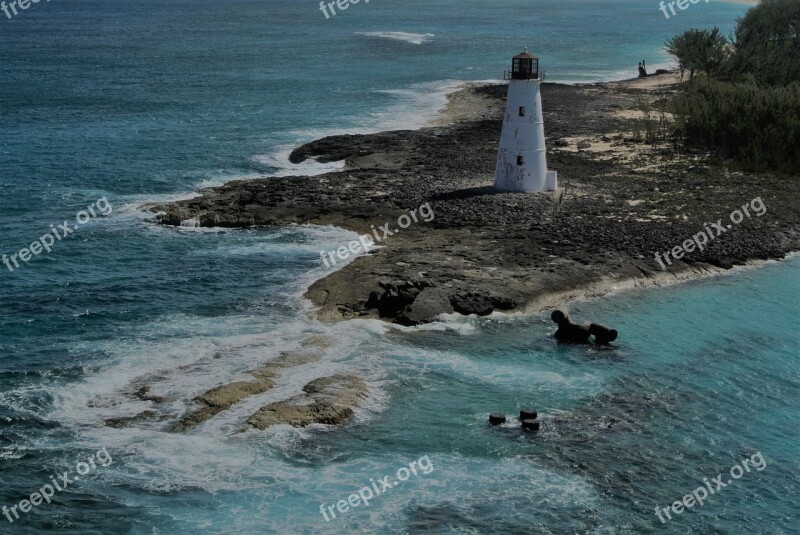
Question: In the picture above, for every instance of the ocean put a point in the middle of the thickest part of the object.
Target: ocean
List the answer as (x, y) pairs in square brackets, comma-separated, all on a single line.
[(147, 101)]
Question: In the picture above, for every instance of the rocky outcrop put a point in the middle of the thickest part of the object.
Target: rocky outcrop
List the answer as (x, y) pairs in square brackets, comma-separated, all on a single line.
[(328, 400), (624, 201), (395, 300), (413, 302)]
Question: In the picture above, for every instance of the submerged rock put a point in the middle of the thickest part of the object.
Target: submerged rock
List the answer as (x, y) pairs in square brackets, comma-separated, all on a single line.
[(327, 400), (603, 335), (579, 334), (223, 397), (143, 393), (119, 422)]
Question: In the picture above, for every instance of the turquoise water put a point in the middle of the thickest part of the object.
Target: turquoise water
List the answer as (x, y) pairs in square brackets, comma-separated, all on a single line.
[(148, 101)]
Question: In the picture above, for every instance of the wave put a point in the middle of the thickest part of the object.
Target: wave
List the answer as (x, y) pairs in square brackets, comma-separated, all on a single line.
[(279, 159), (407, 37), (414, 107)]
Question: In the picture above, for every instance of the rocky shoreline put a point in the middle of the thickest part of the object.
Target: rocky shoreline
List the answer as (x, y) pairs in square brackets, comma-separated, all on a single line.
[(620, 201)]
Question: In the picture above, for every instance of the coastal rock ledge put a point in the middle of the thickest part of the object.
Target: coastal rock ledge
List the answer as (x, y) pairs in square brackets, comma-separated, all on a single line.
[(621, 202)]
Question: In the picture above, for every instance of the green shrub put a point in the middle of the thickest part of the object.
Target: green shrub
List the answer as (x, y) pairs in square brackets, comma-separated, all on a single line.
[(759, 127)]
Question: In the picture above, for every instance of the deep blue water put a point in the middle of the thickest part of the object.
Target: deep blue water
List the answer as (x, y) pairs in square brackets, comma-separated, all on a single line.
[(148, 101)]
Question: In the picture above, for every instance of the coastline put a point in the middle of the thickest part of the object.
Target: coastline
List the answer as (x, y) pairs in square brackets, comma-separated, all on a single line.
[(490, 251)]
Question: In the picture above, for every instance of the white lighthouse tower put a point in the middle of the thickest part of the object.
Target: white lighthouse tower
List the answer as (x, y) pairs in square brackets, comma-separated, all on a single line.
[(522, 159)]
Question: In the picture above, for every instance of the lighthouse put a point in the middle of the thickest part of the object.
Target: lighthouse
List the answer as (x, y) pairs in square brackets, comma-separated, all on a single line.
[(522, 158)]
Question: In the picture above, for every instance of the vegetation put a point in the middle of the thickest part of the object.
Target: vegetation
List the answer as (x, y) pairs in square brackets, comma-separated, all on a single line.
[(768, 43), (699, 50), (742, 98), (757, 126)]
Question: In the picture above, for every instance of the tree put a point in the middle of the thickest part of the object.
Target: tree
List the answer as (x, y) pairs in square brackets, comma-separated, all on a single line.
[(699, 50), (767, 43)]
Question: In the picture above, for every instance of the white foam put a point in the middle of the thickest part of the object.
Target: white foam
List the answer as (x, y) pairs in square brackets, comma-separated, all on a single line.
[(279, 159), (180, 356), (407, 37)]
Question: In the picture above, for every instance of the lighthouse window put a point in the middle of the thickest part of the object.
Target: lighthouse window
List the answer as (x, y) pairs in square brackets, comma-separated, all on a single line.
[(520, 160), (522, 111)]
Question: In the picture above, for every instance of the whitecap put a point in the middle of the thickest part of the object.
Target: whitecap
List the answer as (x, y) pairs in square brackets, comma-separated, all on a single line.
[(407, 37)]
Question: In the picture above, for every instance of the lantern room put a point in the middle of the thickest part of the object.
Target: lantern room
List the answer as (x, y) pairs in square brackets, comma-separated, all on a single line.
[(524, 66)]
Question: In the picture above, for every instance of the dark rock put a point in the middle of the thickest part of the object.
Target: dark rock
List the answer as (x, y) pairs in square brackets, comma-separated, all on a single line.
[(425, 308), (390, 304), (396, 297), (144, 394), (497, 418), (479, 303), (372, 301), (568, 331), (700, 170), (408, 295), (124, 421), (530, 425), (603, 335)]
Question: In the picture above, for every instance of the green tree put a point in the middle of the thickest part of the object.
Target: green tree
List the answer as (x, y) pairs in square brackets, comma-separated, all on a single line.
[(767, 43), (699, 50)]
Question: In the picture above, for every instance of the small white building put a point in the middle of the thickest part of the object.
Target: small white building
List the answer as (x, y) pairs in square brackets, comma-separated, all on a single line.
[(522, 158)]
